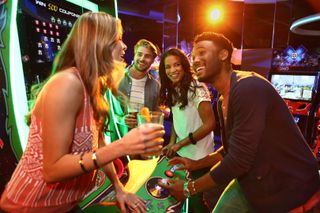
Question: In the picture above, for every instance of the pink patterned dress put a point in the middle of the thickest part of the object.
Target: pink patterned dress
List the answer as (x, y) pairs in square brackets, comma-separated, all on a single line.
[(27, 190)]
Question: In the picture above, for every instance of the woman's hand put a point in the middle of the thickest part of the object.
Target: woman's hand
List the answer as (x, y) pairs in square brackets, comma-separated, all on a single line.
[(131, 201), (171, 149), (185, 163), (145, 139)]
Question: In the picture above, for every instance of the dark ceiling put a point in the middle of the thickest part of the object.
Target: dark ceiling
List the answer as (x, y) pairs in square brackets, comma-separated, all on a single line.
[(248, 25)]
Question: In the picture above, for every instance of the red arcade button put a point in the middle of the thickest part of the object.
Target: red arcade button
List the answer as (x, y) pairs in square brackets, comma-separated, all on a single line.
[(169, 173)]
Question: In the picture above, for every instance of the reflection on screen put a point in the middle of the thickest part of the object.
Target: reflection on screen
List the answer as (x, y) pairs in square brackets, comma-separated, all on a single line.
[(294, 87)]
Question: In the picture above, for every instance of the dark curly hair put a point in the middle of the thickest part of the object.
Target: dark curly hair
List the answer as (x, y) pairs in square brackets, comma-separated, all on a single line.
[(218, 39), (168, 94)]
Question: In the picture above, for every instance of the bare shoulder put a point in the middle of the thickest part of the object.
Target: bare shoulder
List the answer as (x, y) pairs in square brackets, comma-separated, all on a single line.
[(63, 89), (65, 79)]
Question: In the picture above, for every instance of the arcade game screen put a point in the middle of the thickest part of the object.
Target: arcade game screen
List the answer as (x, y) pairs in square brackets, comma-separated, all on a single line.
[(43, 26), (294, 87)]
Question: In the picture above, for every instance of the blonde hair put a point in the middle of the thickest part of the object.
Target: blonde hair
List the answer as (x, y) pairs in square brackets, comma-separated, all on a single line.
[(89, 48)]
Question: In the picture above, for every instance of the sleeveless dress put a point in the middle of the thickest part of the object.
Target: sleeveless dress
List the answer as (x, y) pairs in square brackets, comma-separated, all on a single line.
[(27, 189)]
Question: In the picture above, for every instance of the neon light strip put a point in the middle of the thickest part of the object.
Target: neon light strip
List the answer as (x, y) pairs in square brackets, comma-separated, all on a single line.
[(116, 8), (305, 20), (17, 83), (86, 4)]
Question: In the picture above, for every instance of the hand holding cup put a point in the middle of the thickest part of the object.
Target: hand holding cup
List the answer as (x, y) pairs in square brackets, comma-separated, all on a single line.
[(150, 117), (145, 139)]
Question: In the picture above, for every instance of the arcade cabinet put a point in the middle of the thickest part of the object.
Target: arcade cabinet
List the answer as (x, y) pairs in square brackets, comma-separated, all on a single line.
[(299, 90), (32, 31), (295, 74)]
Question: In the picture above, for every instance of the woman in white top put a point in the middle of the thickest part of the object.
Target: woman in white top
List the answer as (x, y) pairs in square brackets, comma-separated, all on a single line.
[(193, 117)]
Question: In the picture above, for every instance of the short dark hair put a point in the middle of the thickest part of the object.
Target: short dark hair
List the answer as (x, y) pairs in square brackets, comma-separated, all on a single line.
[(218, 39), (148, 44)]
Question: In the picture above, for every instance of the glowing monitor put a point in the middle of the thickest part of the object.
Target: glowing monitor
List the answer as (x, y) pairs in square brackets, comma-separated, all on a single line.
[(37, 29), (298, 87)]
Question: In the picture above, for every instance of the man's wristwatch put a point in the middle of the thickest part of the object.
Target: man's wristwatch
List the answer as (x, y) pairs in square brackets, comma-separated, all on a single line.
[(186, 191)]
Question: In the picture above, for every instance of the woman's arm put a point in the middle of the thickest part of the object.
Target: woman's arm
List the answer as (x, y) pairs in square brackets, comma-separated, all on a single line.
[(173, 136), (125, 199), (167, 150), (60, 101), (207, 116), (57, 108), (110, 169)]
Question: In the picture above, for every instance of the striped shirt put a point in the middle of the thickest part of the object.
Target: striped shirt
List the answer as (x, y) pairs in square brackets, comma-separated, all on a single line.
[(137, 94)]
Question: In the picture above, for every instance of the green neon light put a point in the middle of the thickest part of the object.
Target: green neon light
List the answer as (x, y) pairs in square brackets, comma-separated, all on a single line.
[(17, 83), (86, 4)]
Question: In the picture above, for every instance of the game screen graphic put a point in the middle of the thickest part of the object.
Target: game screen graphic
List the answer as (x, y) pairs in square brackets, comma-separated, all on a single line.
[(294, 87), (43, 25), (299, 58)]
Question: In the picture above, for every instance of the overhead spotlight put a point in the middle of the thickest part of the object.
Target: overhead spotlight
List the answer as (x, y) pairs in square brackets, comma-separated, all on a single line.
[(215, 14)]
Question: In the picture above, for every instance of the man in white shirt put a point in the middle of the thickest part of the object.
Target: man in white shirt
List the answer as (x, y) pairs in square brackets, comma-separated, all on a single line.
[(140, 88), (138, 85)]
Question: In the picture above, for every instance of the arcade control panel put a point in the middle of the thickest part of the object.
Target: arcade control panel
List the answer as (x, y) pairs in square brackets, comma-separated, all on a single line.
[(157, 198)]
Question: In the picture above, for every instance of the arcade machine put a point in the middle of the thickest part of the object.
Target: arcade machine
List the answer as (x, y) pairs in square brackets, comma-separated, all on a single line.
[(295, 75), (32, 31)]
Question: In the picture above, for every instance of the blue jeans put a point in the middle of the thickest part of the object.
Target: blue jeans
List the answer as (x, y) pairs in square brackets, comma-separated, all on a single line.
[(232, 200)]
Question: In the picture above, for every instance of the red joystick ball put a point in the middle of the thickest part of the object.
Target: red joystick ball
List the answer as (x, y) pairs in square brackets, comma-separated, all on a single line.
[(169, 173)]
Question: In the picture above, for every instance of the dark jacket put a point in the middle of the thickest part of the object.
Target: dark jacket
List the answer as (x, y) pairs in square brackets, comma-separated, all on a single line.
[(264, 148)]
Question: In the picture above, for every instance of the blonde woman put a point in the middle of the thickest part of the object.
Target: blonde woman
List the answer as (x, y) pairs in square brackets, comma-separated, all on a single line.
[(65, 144)]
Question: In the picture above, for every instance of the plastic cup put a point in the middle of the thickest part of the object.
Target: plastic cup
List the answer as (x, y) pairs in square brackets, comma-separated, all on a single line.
[(151, 117)]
